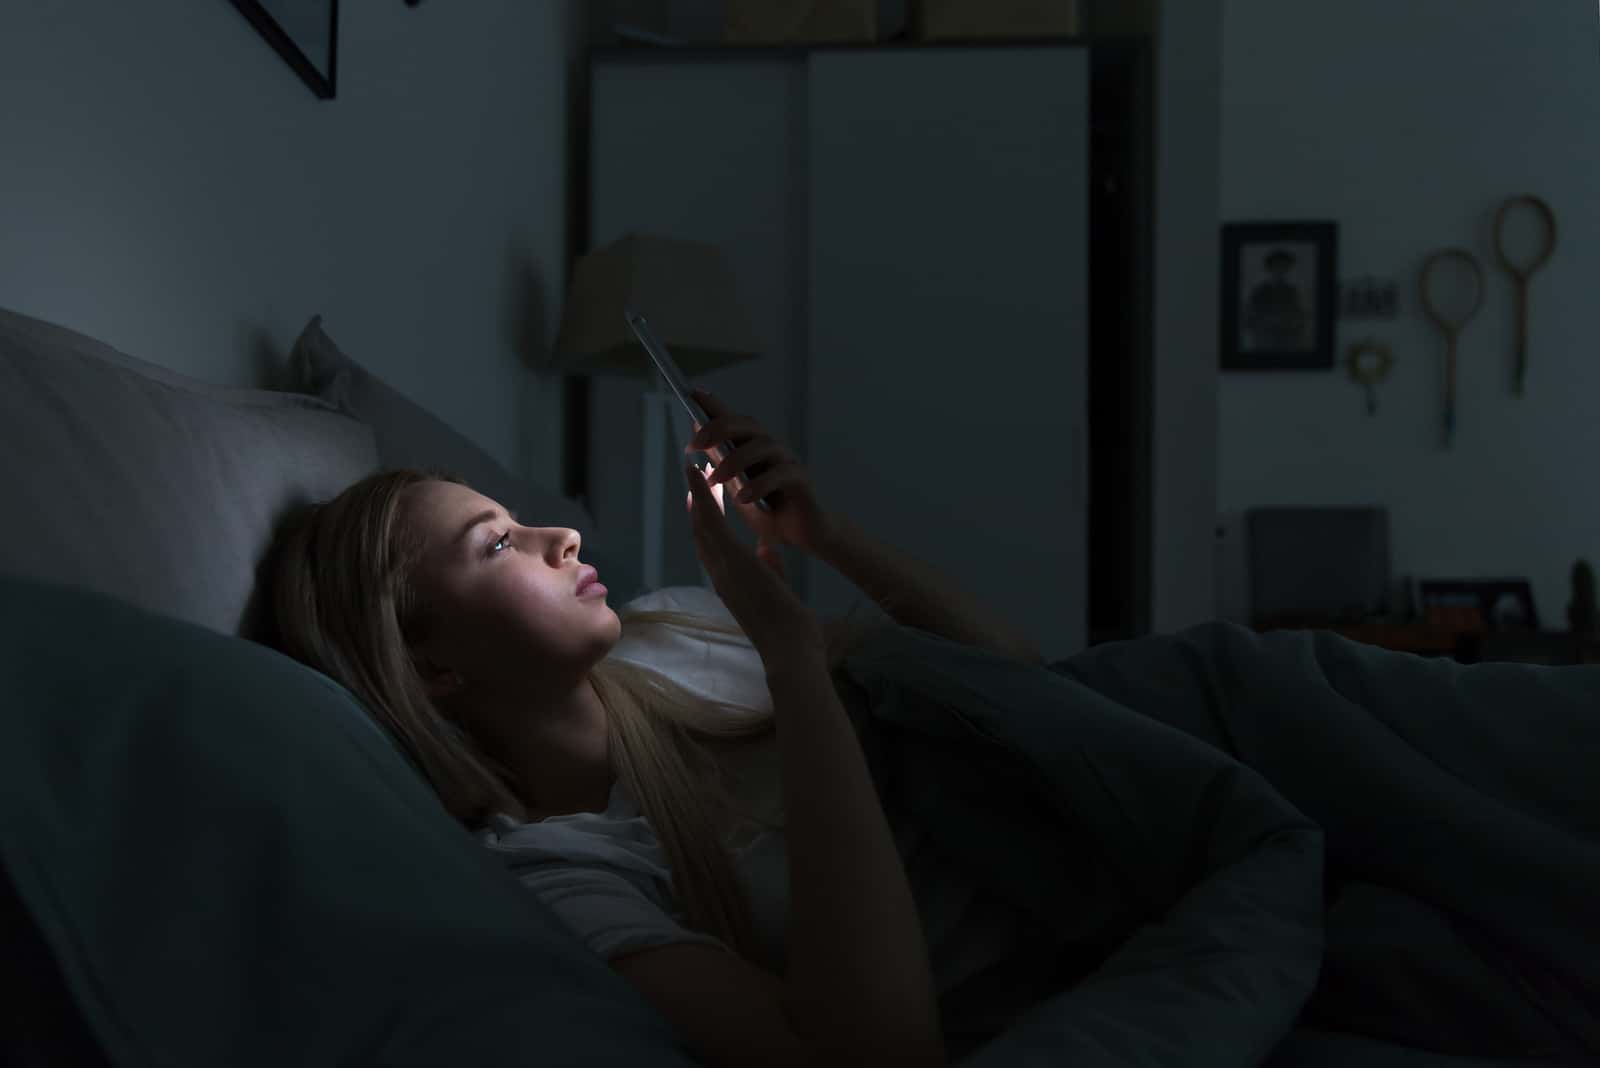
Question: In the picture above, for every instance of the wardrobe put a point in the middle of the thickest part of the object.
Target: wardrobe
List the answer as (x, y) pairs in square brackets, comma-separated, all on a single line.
[(909, 228)]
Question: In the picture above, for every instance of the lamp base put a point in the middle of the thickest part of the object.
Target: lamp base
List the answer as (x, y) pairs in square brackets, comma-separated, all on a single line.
[(661, 411)]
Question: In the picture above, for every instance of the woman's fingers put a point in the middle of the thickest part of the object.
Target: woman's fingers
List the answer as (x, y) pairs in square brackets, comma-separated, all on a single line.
[(722, 505), (710, 402), (707, 525), (747, 456), (772, 479), (722, 424), (716, 417), (729, 428), (703, 502)]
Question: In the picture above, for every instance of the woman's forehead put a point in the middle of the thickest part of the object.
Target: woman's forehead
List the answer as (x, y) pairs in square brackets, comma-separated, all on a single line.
[(441, 508), (447, 499)]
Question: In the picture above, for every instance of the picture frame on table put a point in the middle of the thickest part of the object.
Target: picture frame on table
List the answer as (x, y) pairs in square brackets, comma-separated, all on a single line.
[(305, 33), (1478, 604), (1279, 296)]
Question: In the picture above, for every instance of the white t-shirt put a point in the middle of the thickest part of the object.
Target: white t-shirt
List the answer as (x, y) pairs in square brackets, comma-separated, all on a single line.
[(605, 875)]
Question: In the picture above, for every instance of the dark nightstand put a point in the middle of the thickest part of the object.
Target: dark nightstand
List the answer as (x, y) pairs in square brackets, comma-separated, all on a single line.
[(1470, 646), (1557, 647)]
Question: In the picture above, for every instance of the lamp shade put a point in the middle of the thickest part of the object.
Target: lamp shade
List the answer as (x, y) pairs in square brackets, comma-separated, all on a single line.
[(684, 288)]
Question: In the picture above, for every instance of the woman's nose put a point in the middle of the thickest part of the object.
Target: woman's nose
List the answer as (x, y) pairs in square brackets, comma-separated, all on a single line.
[(569, 541)]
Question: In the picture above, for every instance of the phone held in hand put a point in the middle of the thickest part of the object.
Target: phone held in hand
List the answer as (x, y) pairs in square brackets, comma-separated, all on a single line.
[(680, 389)]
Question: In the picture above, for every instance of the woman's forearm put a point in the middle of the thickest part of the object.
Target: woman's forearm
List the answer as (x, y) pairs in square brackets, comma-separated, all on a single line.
[(916, 595), (858, 982)]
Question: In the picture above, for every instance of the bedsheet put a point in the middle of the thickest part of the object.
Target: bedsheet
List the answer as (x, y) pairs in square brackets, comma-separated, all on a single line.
[(1283, 848)]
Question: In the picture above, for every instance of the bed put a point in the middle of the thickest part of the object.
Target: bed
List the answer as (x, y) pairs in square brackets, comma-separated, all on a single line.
[(1262, 849)]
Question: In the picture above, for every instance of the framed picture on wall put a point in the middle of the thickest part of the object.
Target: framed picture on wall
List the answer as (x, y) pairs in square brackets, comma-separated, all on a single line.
[(305, 33), (1279, 287)]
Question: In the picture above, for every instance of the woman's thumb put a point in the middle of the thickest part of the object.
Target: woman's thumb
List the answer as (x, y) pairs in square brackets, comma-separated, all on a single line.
[(696, 480), (705, 511)]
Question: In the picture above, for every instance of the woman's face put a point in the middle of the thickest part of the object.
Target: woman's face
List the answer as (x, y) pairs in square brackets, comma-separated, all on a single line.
[(503, 596)]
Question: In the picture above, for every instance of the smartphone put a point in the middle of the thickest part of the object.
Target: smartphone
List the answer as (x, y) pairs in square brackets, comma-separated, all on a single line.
[(680, 389)]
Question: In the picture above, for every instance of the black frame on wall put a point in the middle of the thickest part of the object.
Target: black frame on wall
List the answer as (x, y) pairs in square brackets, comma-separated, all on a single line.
[(1279, 240), (322, 83)]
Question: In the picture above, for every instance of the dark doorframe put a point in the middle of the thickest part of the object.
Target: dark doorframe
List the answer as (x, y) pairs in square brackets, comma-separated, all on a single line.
[(1121, 166), (575, 401)]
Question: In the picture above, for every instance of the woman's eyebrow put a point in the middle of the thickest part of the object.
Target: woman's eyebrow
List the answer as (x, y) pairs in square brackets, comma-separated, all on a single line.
[(481, 517)]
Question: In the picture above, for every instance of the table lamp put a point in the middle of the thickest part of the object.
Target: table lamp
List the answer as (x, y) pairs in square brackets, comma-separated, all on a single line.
[(686, 290)]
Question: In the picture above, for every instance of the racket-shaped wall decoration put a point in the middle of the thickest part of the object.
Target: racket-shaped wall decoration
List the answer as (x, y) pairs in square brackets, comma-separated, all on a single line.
[(1520, 265), (1452, 293)]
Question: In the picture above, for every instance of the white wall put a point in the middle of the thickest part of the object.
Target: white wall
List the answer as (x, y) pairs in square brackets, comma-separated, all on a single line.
[(1408, 124), (168, 185), (1184, 372)]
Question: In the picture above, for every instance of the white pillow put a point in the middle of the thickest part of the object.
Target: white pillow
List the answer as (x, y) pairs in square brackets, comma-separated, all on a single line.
[(717, 667), (129, 479)]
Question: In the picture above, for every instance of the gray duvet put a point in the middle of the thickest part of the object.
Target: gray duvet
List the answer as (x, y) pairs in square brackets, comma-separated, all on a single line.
[(1286, 848)]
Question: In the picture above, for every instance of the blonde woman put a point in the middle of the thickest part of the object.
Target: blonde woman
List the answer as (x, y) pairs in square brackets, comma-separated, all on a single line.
[(482, 645)]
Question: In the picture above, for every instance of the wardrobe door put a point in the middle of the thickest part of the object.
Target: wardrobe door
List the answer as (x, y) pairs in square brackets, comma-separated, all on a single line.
[(701, 150), (948, 319)]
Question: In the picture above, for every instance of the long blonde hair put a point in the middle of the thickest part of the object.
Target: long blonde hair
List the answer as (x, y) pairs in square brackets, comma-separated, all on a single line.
[(344, 602)]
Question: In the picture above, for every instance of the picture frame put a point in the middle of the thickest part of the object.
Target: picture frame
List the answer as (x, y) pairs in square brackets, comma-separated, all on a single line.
[(1478, 604), (1279, 296), (305, 33)]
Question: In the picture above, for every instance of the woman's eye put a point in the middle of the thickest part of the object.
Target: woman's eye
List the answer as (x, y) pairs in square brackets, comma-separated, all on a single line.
[(501, 540)]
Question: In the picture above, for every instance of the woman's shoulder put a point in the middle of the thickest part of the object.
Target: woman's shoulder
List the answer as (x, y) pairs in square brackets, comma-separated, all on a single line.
[(619, 837), (613, 893)]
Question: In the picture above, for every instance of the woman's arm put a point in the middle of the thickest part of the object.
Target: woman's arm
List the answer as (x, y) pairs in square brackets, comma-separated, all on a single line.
[(857, 984), (916, 595), (857, 988)]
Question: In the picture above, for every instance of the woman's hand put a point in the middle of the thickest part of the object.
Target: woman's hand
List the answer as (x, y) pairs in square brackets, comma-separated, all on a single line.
[(796, 517), (777, 622)]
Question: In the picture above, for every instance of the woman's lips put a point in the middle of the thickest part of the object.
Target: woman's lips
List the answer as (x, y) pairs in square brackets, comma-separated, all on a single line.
[(588, 579)]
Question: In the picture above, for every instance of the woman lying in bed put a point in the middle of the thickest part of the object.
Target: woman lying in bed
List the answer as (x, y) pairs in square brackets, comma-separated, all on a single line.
[(483, 645)]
